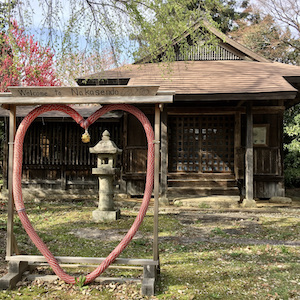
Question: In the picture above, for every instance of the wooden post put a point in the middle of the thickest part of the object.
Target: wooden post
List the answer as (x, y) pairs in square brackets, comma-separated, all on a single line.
[(279, 168), (5, 155), (10, 205), (249, 202), (125, 143), (237, 144), (164, 155), (156, 181), (63, 178)]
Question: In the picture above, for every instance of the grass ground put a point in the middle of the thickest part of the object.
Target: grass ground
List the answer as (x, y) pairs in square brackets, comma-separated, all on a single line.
[(204, 254)]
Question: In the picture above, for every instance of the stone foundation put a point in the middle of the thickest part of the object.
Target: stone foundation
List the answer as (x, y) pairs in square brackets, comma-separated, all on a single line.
[(102, 215)]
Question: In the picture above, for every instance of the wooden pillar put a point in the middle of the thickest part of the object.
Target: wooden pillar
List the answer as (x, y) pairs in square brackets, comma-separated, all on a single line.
[(125, 143), (15, 270), (63, 178), (164, 154), (249, 152), (248, 201), (10, 205), (63, 158), (280, 191), (156, 181), (237, 144), (5, 155)]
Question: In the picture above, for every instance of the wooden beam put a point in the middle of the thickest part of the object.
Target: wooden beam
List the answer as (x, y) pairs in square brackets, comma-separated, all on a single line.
[(43, 264), (222, 110), (10, 205), (82, 260), (249, 152), (84, 91), (156, 181), (212, 110), (87, 100), (6, 94), (269, 109), (287, 95)]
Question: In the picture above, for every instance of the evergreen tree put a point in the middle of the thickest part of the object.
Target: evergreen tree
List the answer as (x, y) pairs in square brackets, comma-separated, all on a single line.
[(224, 13)]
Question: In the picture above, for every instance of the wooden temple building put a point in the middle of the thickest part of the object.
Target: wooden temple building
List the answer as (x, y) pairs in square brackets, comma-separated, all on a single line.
[(222, 135)]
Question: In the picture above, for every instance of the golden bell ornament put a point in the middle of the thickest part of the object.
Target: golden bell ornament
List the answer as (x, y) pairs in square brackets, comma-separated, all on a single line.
[(86, 137)]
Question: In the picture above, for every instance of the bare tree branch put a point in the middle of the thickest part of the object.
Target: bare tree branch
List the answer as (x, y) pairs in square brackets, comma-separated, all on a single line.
[(284, 11)]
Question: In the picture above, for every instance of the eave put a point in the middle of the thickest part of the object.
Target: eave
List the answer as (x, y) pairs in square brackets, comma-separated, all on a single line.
[(236, 96)]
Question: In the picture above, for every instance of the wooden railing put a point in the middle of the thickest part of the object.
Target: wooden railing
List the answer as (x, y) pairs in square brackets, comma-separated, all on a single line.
[(267, 161)]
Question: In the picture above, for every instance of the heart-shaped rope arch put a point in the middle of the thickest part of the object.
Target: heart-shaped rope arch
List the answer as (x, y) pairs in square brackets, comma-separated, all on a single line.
[(17, 187)]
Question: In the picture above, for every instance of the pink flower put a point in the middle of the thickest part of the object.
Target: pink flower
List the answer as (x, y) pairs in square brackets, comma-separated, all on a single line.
[(24, 61)]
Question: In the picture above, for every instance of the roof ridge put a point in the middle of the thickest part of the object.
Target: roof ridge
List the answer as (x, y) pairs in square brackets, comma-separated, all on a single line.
[(235, 44)]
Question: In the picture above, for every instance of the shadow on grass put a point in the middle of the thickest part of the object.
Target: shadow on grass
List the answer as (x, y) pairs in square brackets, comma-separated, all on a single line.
[(227, 271)]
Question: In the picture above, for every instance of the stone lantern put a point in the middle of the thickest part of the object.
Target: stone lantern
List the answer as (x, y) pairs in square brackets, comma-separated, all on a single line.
[(107, 152)]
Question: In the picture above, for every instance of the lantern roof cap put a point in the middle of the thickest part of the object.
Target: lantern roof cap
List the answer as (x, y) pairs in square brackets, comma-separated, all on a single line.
[(105, 146)]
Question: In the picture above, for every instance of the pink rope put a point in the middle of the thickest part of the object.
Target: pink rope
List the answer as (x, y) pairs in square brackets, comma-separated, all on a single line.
[(17, 187)]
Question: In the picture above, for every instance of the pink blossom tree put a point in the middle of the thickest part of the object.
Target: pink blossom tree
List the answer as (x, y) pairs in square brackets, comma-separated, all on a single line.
[(24, 61)]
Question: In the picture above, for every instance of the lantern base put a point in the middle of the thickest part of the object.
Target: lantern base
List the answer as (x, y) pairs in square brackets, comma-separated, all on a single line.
[(106, 215)]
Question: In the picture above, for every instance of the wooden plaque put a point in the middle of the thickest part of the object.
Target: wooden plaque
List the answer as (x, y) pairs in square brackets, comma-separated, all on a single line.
[(261, 134), (89, 91)]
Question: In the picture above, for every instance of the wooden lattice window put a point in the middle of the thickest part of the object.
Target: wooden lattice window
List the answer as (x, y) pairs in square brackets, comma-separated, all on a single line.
[(59, 143), (201, 143)]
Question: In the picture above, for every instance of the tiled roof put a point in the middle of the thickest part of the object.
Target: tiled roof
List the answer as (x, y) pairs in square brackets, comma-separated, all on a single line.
[(209, 77)]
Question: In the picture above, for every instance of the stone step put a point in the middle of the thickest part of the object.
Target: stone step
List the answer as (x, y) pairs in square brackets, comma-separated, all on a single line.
[(202, 191), (206, 176), (214, 201), (201, 182)]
